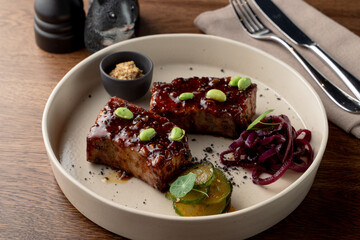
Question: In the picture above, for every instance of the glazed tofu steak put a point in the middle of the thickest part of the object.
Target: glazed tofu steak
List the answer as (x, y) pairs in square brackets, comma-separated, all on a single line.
[(114, 141), (202, 114)]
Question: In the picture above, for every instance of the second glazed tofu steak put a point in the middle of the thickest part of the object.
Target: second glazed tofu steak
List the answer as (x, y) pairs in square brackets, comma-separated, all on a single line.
[(201, 114)]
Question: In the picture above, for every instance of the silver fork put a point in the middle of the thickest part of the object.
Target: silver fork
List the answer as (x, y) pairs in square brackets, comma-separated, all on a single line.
[(256, 29)]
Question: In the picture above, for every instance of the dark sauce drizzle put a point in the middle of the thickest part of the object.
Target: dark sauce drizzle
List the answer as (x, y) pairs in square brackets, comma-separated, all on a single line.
[(167, 95)]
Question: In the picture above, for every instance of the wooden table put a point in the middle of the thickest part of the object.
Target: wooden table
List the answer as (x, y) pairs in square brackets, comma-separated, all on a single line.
[(33, 206)]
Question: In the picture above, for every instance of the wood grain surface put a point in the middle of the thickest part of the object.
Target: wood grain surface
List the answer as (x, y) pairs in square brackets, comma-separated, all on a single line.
[(31, 203)]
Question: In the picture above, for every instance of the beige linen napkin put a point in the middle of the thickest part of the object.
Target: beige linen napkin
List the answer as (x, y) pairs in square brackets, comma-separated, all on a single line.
[(337, 41)]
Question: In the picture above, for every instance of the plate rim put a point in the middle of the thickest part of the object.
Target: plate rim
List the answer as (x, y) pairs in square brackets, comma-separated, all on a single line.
[(55, 161)]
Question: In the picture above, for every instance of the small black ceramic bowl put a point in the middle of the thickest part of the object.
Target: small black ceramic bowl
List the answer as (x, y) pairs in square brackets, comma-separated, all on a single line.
[(126, 89)]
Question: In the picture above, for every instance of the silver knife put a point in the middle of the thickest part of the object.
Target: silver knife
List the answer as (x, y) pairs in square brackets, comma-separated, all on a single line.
[(285, 25)]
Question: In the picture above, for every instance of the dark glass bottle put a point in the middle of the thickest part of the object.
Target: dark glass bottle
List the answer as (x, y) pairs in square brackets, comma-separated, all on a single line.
[(59, 25)]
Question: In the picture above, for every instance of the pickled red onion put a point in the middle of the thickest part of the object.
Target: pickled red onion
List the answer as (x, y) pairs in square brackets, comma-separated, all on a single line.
[(272, 147)]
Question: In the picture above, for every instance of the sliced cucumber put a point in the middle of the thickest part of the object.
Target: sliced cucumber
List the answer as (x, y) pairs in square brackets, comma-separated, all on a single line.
[(228, 205), (204, 174), (215, 195), (192, 197), (220, 188), (199, 209)]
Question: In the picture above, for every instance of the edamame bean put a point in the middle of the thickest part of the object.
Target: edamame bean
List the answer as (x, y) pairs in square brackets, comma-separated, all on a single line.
[(244, 83), (177, 134), (216, 95), (186, 96), (147, 134), (234, 81), (124, 113)]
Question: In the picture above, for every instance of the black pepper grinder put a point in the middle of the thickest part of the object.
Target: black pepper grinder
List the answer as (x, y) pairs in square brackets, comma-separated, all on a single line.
[(59, 25)]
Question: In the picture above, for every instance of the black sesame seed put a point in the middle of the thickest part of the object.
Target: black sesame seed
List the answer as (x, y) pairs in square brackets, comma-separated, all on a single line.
[(208, 150)]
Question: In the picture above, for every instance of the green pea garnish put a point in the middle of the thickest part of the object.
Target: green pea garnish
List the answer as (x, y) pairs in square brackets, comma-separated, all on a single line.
[(147, 134), (216, 95), (186, 96), (234, 81), (125, 113), (244, 83), (177, 134)]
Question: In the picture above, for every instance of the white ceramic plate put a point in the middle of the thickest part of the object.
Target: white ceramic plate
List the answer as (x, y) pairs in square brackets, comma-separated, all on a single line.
[(134, 209)]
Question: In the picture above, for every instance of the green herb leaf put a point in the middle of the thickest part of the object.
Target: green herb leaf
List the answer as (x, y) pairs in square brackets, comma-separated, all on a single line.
[(182, 185), (198, 190), (258, 119)]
